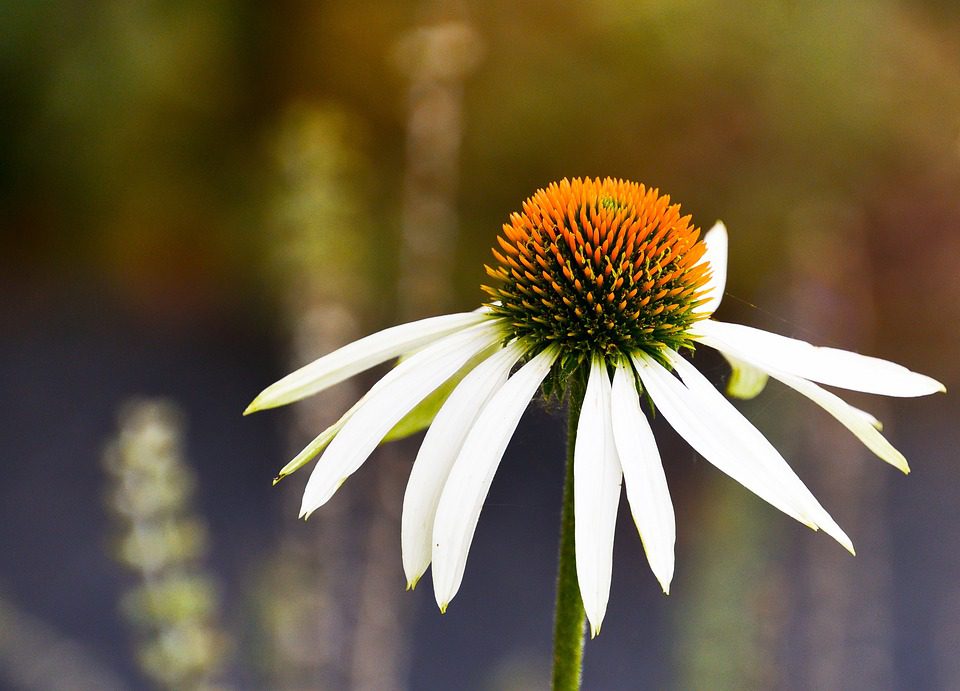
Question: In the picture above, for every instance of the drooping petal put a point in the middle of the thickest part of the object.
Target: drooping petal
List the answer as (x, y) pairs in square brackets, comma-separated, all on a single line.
[(716, 256), (643, 476), (358, 356), (868, 418), (404, 428), (829, 366), (388, 401), (721, 434), (473, 471), (860, 422), (319, 443), (596, 495), (439, 450), (721, 409), (746, 381)]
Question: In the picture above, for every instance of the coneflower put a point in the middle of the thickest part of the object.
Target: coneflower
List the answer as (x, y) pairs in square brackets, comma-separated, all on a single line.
[(600, 285)]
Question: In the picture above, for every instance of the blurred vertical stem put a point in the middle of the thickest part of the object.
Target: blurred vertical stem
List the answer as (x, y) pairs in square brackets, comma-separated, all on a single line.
[(570, 619), (322, 260), (437, 58), (175, 607)]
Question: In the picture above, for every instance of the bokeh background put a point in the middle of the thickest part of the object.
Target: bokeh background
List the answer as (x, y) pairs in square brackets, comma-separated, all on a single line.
[(196, 197)]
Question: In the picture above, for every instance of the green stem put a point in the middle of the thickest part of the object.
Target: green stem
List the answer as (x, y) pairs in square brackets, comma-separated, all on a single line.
[(570, 620)]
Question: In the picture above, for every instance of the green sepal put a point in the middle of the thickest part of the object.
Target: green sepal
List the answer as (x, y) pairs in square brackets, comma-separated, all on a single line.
[(422, 415), (311, 451), (426, 410), (319, 443), (746, 381)]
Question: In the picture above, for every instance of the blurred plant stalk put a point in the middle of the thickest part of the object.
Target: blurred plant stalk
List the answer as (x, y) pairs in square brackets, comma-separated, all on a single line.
[(342, 621), (729, 623), (174, 608), (322, 230), (436, 58), (846, 634)]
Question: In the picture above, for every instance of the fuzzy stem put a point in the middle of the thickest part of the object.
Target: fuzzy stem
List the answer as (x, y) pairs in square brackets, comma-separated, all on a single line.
[(569, 629)]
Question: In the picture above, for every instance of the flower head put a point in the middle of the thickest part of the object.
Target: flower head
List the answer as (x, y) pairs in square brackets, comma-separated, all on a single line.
[(601, 268), (603, 280)]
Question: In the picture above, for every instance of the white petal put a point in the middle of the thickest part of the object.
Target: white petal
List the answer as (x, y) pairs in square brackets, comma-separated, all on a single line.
[(388, 401), (870, 419), (358, 356), (860, 422), (778, 468), (829, 366), (319, 443), (473, 471), (643, 475), (716, 256), (596, 495), (721, 434), (439, 450), (714, 441)]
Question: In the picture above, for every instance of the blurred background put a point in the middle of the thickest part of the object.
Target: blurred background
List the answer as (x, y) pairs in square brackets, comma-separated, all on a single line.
[(196, 197)]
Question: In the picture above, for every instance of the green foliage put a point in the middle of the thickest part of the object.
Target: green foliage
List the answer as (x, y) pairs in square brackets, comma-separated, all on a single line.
[(421, 416)]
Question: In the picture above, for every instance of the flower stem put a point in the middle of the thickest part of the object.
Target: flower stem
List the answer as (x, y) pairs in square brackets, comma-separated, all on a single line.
[(568, 630)]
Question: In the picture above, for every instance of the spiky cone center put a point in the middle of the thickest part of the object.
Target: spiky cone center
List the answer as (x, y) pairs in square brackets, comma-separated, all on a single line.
[(602, 268)]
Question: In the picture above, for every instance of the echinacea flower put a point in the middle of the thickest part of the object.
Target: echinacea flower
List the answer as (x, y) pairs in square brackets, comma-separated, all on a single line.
[(605, 281)]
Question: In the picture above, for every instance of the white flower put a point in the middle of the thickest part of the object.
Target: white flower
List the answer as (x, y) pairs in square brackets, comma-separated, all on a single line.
[(479, 352)]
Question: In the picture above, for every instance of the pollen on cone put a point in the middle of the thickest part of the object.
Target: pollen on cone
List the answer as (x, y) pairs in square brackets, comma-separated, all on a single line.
[(598, 267)]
